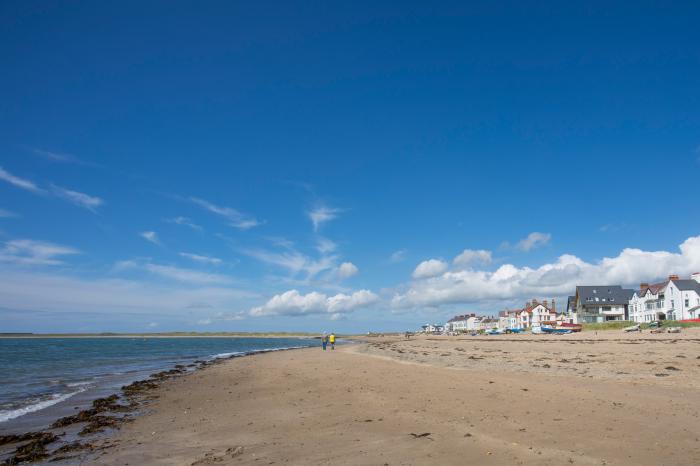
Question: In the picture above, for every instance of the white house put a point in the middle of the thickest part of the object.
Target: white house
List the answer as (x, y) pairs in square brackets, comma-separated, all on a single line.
[(459, 323), (432, 328), (487, 323), (534, 313), (599, 303), (673, 299)]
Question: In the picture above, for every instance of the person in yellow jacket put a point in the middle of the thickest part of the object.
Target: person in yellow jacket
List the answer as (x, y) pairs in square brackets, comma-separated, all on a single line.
[(331, 340)]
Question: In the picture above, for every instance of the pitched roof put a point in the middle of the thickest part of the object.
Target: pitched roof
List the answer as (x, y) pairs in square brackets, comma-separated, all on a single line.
[(687, 285), (611, 293), (654, 288)]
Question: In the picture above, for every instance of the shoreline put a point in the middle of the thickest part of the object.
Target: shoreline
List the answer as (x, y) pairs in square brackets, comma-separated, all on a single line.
[(101, 416)]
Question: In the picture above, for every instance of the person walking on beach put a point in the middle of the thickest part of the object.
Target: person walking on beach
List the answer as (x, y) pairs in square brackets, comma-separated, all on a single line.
[(332, 340), (324, 341)]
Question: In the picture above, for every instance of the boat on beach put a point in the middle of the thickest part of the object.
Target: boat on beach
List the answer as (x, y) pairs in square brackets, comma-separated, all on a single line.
[(573, 327), (553, 330)]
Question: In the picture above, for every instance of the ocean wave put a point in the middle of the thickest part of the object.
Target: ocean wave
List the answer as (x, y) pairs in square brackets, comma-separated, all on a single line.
[(78, 384), (251, 352), (37, 406), (228, 355)]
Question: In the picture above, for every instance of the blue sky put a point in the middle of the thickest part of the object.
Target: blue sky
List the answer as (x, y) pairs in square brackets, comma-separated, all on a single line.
[(309, 166)]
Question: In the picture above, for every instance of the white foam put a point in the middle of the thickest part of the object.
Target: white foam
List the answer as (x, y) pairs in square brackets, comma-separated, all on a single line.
[(263, 350), (78, 384), (55, 398), (227, 355)]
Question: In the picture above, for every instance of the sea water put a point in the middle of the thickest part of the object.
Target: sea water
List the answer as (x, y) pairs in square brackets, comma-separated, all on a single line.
[(43, 378)]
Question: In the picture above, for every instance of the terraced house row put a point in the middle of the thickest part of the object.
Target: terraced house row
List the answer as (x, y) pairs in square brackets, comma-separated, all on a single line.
[(672, 299)]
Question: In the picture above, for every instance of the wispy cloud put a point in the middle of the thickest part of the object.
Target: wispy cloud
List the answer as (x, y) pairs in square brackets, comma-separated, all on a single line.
[(325, 246), (32, 252), (235, 218), (7, 214), (56, 156), (83, 200), (20, 182), (184, 221), (397, 256), (151, 236), (187, 275), (322, 214), (294, 261), (201, 259), (179, 274), (533, 241), (27, 290)]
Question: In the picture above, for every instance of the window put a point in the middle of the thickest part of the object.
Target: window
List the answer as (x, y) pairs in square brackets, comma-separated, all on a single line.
[(687, 302), (672, 306)]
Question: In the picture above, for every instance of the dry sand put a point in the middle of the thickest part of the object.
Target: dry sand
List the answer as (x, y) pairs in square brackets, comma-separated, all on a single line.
[(571, 399)]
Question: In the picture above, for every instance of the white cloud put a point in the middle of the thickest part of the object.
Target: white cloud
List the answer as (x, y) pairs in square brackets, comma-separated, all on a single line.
[(186, 275), (534, 240), (180, 274), (325, 246), (430, 268), (235, 218), (293, 261), (31, 252), (292, 303), (201, 259), (397, 256), (152, 325), (347, 270), (151, 236), (19, 182), (80, 199), (470, 257), (6, 214), (206, 321), (322, 214), (559, 278), (184, 221)]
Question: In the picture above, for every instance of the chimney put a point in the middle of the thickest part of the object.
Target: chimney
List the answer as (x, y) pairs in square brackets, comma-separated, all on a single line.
[(544, 303), (673, 277), (534, 302), (642, 286), (695, 276), (554, 306)]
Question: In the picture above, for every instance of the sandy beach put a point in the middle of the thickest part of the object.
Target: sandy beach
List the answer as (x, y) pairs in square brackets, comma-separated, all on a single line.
[(576, 399)]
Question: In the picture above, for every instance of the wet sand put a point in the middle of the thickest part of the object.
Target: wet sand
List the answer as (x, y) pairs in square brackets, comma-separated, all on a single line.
[(572, 399)]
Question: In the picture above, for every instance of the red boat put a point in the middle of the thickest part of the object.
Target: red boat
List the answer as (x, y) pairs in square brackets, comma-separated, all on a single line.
[(572, 327)]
